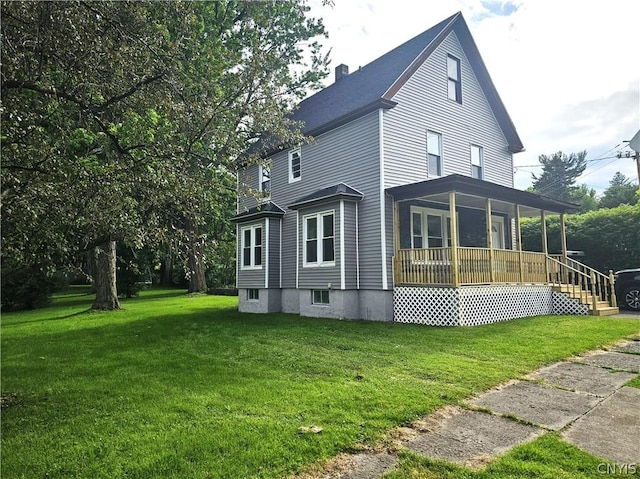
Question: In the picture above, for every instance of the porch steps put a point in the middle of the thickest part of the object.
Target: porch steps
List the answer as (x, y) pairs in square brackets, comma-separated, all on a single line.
[(603, 308)]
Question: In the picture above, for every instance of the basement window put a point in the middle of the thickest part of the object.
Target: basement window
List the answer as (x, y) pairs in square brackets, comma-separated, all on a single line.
[(320, 296), (253, 294)]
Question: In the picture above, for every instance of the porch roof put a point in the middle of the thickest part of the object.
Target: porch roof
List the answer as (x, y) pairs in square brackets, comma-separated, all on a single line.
[(472, 191)]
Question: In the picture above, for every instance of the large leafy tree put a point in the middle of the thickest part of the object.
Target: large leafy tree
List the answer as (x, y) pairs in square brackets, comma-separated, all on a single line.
[(122, 121), (620, 191), (559, 174)]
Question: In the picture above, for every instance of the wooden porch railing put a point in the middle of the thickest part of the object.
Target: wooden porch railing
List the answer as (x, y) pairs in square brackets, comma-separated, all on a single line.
[(475, 266), (434, 266)]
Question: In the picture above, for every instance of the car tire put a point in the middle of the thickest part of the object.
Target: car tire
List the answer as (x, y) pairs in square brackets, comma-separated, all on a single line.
[(631, 298)]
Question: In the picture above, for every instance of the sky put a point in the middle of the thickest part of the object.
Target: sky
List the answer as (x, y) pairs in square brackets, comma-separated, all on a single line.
[(568, 71)]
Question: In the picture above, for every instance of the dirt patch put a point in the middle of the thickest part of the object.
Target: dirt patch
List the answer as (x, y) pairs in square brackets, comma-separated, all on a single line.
[(9, 399)]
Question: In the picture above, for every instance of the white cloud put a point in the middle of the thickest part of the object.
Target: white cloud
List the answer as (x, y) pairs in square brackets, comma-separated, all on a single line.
[(568, 71)]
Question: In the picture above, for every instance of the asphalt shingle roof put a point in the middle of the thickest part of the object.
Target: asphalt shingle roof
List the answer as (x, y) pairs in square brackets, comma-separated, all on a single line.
[(373, 85)]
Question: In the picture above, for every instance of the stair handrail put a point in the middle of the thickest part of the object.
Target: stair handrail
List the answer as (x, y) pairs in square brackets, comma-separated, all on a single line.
[(601, 284)]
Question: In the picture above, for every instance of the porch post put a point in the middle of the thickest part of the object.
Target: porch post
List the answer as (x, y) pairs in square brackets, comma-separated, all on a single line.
[(519, 242), (492, 271), (455, 276), (396, 238), (563, 242), (545, 247)]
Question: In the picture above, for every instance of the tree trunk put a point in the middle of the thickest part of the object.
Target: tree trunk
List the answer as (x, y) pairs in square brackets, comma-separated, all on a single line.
[(166, 269), (104, 278), (197, 280)]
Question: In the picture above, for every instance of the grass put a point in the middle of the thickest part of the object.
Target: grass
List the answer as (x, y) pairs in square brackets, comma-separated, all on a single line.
[(547, 457), (176, 386)]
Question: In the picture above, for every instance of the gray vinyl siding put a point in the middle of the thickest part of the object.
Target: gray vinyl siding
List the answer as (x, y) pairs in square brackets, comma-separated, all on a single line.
[(274, 252), (351, 249), (351, 155), (250, 278), (423, 105)]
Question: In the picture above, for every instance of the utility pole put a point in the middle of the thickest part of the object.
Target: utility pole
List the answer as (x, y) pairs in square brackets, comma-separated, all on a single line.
[(634, 144)]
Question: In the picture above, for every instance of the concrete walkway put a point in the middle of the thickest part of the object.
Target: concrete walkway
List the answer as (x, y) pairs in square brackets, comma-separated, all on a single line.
[(584, 397)]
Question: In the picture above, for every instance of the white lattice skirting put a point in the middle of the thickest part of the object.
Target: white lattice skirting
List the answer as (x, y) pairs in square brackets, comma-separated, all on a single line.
[(476, 305)]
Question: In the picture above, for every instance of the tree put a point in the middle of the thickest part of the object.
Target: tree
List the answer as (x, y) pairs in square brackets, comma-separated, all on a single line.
[(112, 111), (585, 197), (620, 191), (559, 174)]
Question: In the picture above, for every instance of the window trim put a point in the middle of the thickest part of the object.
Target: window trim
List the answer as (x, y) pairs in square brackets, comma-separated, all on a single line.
[(252, 255), (261, 175), (253, 294), (440, 156), (425, 212), (319, 239), (456, 82), (321, 301), (292, 178), (480, 161)]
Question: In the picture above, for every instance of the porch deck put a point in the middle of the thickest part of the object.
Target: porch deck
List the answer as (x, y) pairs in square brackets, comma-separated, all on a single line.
[(466, 266)]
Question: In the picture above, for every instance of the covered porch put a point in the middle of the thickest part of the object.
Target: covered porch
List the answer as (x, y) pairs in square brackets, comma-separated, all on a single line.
[(462, 234)]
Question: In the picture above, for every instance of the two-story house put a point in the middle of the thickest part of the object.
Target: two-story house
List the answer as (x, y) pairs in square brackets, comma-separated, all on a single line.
[(401, 206)]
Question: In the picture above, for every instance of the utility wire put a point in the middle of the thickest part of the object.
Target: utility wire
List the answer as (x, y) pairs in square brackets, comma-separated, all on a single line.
[(600, 157)]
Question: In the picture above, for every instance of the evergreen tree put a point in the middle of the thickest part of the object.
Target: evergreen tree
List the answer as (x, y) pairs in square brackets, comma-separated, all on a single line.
[(559, 174), (620, 191)]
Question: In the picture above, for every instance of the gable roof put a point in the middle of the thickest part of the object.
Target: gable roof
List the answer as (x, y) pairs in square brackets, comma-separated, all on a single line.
[(373, 86)]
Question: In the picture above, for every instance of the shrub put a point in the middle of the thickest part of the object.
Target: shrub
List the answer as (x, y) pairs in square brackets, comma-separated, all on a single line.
[(610, 238)]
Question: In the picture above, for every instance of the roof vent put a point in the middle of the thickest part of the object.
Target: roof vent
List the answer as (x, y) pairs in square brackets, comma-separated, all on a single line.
[(342, 70)]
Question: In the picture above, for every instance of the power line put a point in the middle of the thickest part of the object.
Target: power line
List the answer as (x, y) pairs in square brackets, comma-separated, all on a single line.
[(547, 188)]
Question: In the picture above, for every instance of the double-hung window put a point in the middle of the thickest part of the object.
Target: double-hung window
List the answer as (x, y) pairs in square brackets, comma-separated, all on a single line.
[(454, 80), (251, 247), (265, 179), (295, 172), (434, 153), (319, 239), (477, 162)]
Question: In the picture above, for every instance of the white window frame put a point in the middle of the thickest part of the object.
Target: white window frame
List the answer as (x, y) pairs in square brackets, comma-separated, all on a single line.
[(477, 161), (292, 154), (431, 147), (321, 296), (319, 217), (252, 247), (253, 294), (425, 213), (454, 79), (264, 172)]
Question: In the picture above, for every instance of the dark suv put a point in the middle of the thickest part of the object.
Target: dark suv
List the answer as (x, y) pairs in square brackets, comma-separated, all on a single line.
[(628, 288)]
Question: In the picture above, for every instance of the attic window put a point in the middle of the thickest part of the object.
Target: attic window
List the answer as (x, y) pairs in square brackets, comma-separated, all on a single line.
[(455, 81), (294, 165), (265, 179)]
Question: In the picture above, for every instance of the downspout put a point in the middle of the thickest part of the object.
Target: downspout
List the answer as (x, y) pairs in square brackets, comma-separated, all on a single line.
[(383, 229)]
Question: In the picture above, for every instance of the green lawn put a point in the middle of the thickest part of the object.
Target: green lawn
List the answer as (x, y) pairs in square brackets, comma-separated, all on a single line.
[(178, 386)]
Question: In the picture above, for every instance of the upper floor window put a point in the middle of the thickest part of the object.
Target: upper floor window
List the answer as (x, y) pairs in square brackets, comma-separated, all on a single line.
[(318, 238), (294, 166), (434, 153), (455, 81), (477, 162), (265, 179), (251, 247)]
